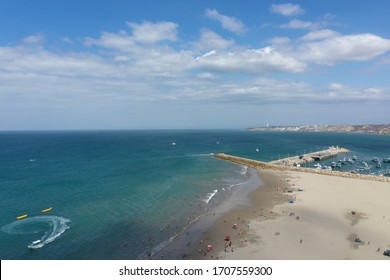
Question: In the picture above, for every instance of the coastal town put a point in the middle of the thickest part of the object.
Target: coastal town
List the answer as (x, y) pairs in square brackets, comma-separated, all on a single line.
[(362, 128)]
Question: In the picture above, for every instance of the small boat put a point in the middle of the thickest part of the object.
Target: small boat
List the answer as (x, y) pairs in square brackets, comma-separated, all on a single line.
[(386, 160), (47, 210), (257, 149), (36, 242), (375, 159), (21, 217), (173, 144)]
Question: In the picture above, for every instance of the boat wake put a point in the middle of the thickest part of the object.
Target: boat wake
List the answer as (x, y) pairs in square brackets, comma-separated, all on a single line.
[(52, 226)]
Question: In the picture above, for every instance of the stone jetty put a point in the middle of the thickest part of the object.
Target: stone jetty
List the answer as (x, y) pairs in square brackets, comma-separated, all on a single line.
[(271, 166), (308, 158)]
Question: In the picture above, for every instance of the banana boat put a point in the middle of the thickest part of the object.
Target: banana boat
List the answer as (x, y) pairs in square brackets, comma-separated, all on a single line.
[(21, 217), (47, 210)]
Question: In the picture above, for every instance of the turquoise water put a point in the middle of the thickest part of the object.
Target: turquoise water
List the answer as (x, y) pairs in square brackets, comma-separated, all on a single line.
[(119, 194)]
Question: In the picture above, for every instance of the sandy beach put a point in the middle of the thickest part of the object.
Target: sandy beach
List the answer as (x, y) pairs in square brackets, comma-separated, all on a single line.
[(304, 216)]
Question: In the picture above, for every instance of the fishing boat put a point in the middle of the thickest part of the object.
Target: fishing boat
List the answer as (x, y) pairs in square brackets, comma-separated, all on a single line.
[(47, 210), (21, 217)]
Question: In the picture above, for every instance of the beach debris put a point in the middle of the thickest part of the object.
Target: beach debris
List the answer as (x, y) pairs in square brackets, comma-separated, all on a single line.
[(235, 226), (300, 190), (300, 241), (277, 233), (353, 212), (291, 201), (386, 253), (209, 248), (227, 237)]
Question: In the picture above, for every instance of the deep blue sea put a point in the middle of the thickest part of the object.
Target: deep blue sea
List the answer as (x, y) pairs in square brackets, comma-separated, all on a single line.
[(119, 194)]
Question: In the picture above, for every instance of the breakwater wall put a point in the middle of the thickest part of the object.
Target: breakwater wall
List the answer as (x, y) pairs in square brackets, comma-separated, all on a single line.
[(269, 166), (310, 157)]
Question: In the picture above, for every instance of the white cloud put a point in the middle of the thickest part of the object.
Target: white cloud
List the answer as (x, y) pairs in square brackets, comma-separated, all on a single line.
[(374, 91), (337, 86), (287, 9), (343, 92), (279, 40), (206, 75), (67, 40), (252, 61), (210, 40), (298, 24), (229, 23), (150, 33), (35, 39), (358, 47), (320, 35), (118, 41)]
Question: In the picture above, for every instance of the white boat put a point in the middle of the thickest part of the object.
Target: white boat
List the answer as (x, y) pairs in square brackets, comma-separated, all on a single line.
[(354, 158), (173, 144), (257, 150), (36, 242), (375, 159), (379, 165), (317, 166)]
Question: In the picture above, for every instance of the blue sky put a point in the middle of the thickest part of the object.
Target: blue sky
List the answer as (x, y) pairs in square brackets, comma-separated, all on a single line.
[(192, 64)]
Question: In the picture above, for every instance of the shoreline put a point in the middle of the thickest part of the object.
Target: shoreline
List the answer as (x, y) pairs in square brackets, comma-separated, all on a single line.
[(263, 199), (331, 218), (185, 244)]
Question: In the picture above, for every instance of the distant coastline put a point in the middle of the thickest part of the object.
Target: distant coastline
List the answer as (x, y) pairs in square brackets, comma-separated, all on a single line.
[(364, 128)]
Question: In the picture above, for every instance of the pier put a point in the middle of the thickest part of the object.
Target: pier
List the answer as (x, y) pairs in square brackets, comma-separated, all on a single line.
[(310, 157), (261, 165)]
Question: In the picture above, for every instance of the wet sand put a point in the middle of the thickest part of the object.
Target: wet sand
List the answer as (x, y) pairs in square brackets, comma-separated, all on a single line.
[(304, 216)]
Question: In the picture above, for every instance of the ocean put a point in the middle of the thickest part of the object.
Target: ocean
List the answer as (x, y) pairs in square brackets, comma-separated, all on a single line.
[(125, 194)]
